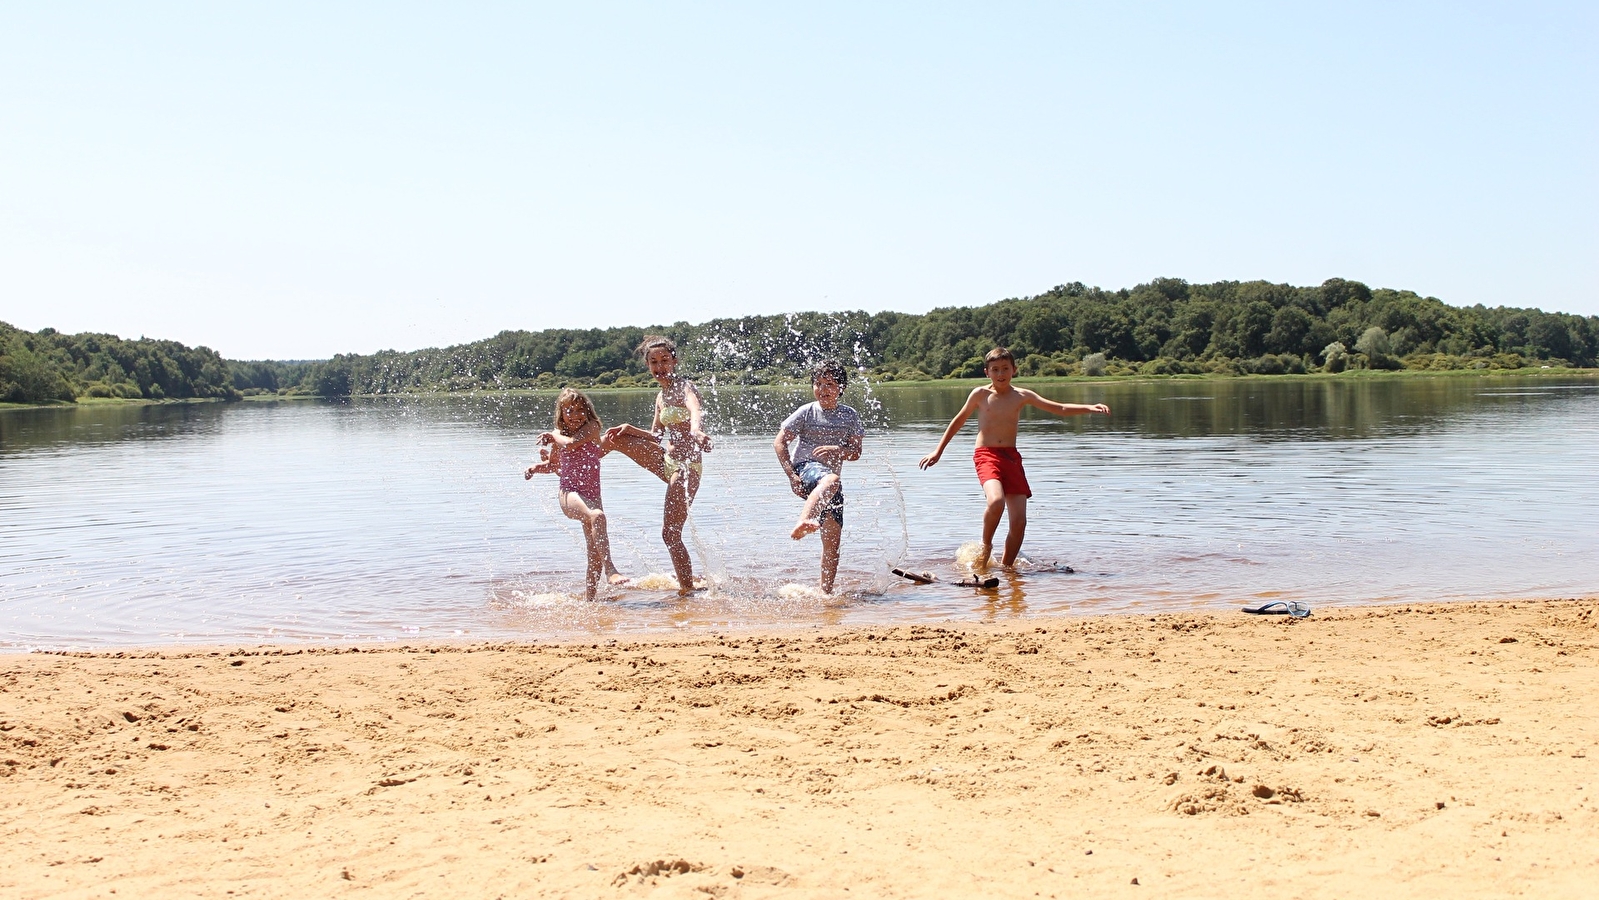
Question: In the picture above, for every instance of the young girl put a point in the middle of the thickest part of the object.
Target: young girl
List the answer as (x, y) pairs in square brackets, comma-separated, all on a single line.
[(671, 449), (573, 451)]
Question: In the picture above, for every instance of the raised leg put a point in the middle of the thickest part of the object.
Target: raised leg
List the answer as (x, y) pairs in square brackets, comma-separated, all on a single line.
[(644, 451), (816, 499)]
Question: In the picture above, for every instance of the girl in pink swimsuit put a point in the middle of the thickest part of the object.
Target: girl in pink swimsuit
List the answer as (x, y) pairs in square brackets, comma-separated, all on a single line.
[(572, 450)]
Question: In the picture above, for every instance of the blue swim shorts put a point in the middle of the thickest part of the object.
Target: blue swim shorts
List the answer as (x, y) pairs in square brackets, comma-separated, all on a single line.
[(811, 473)]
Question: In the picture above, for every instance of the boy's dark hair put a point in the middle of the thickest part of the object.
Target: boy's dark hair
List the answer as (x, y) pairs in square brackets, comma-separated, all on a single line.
[(996, 354), (655, 342), (830, 368)]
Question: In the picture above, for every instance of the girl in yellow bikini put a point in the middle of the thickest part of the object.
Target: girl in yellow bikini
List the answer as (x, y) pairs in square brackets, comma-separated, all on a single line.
[(671, 449)]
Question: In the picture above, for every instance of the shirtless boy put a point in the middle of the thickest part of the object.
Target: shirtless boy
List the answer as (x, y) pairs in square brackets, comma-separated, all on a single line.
[(999, 467)]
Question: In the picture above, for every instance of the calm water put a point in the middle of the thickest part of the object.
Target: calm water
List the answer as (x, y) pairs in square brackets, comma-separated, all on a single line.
[(401, 520)]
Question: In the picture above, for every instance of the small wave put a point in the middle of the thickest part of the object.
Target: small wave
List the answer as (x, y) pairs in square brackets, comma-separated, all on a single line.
[(655, 581), (792, 592)]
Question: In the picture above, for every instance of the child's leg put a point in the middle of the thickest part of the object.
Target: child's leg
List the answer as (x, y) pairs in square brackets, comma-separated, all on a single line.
[(595, 537), (647, 453), (825, 488), (602, 537), (832, 531), (1016, 507), (994, 500), (680, 493)]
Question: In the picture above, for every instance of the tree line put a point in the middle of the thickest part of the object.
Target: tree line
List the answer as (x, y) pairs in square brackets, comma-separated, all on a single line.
[(48, 366), (1165, 327)]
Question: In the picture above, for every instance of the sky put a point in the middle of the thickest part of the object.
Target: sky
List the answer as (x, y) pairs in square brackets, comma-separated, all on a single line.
[(295, 180)]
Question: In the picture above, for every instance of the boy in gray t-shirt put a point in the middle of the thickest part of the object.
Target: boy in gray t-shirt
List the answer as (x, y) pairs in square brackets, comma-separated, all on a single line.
[(828, 433)]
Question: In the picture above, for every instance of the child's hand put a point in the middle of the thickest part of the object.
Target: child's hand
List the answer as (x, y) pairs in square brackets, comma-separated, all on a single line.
[(531, 471), (829, 455), (702, 439), (931, 459), (796, 485), (1100, 408), (547, 437)]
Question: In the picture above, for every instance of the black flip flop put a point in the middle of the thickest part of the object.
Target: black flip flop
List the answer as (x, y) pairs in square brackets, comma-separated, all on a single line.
[(1279, 608), (918, 577)]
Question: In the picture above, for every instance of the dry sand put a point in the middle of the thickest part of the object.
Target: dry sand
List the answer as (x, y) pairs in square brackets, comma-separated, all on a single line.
[(1393, 752)]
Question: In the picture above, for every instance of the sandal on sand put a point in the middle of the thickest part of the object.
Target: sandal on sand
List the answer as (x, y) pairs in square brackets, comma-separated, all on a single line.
[(1280, 608)]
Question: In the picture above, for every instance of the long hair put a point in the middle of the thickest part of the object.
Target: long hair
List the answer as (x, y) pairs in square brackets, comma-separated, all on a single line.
[(573, 395)]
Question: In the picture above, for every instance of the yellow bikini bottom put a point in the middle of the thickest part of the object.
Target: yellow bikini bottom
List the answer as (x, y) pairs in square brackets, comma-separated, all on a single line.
[(671, 466)]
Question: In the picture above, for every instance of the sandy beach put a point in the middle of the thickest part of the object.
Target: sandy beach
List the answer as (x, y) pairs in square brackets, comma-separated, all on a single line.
[(1393, 751)]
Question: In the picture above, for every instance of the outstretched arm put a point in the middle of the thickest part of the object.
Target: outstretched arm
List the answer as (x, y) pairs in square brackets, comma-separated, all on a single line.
[(1061, 409), (949, 433), (550, 464), (591, 432)]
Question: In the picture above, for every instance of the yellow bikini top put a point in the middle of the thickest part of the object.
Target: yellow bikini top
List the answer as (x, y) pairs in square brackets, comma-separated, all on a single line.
[(675, 415)]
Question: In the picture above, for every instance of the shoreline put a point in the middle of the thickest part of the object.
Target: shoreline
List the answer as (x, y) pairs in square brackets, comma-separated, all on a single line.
[(1405, 749), (1350, 375)]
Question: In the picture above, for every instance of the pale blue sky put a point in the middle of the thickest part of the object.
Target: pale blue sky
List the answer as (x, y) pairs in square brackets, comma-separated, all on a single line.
[(295, 180)]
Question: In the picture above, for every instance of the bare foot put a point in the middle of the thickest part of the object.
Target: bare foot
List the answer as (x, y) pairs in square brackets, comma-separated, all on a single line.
[(806, 526), (618, 578), (986, 558)]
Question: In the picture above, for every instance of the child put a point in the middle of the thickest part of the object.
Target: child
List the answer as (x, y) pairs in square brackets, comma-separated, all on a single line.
[(829, 433), (671, 449), (999, 466), (573, 450)]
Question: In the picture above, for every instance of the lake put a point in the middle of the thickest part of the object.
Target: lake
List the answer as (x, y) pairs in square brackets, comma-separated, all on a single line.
[(407, 519)]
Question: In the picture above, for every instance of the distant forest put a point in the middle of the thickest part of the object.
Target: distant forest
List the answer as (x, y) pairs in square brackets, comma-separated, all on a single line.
[(1165, 327)]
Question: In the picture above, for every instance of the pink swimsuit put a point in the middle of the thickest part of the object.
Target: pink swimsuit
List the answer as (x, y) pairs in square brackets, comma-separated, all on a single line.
[(580, 469)]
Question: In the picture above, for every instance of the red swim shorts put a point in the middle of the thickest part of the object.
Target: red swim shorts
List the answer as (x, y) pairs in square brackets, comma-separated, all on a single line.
[(1002, 464)]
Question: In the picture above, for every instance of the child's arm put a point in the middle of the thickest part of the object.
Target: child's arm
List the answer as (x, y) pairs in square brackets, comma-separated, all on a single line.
[(780, 444), (550, 464), (833, 454), (1061, 409), (954, 426), (696, 417), (591, 433)]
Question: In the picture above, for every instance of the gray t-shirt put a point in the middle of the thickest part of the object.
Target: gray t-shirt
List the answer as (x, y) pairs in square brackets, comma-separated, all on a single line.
[(813, 427)]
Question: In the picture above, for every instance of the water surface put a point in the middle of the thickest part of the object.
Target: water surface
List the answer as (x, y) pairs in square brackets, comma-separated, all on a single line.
[(406, 519)]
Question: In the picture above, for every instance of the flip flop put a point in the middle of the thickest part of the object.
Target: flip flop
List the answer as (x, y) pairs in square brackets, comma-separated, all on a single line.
[(1280, 608), (977, 581), (918, 577)]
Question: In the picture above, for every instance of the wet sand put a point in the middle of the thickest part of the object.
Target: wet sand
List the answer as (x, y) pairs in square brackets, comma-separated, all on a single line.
[(1392, 751)]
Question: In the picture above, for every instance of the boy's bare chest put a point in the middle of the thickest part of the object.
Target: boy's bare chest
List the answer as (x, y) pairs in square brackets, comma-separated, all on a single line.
[(1000, 406)]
